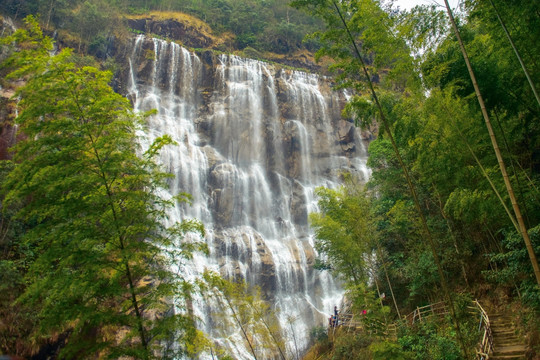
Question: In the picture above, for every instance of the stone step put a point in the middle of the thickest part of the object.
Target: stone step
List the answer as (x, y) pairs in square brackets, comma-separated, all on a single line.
[(508, 345), (501, 322), (515, 339), (496, 324), (507, 337), (502, 327), (511, 339), (501, 344), (506, 332), (510, 349)]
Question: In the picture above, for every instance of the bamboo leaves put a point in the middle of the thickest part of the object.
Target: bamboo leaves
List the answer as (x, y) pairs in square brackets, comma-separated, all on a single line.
[(102, 274)]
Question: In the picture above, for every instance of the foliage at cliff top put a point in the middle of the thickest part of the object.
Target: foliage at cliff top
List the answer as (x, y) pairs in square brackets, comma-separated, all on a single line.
[(264, 25), (189, 21)]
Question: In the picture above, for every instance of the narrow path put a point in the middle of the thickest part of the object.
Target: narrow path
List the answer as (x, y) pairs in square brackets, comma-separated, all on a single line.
[(503, 335), (507, 344)]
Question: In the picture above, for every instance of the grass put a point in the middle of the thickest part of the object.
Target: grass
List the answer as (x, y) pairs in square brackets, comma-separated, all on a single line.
[(181, 17), (218, 41)]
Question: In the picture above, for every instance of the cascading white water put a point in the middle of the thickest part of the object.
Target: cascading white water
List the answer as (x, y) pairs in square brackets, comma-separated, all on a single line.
[(253, 144)]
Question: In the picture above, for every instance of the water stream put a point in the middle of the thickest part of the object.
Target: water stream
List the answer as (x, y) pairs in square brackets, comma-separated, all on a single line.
[(254, 142)]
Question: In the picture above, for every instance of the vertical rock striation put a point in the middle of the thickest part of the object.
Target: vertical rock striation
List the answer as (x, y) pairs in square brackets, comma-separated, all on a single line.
[(254, 142)]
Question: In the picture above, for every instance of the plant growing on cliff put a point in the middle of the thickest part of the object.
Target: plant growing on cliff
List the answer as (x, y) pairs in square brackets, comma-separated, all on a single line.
[(99, 269), (243, 307)]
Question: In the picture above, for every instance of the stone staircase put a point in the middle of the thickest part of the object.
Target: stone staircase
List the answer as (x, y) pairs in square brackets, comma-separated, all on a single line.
[(507, 345)]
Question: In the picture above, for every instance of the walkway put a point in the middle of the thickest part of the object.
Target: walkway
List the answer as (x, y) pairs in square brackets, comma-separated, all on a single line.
[(507, 344), (500, 340)]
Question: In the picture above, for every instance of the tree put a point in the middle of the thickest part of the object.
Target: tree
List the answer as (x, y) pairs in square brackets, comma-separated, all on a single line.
[(513, 113), (243, 307), (359, 37), (345, 233), (502, 165), (348, 239), (100, 259)]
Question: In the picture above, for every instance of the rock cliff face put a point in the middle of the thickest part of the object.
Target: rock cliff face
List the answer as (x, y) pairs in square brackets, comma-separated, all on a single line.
[(254, 141), (174, 30), (7, 127), (8, 106), (194, 33)]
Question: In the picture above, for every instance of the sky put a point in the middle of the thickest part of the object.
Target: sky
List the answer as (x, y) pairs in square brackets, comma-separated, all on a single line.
[(408, 4)]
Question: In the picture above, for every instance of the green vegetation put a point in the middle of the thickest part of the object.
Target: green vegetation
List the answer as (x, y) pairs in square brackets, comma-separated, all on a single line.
[(241, 306), (270, 25), (444, 221), (434, 223), (89, 259)]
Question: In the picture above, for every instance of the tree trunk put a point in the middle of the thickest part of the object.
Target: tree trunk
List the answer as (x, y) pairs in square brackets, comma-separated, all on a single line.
[(531, 83), (517, 211), (388, 280), (411, 186)]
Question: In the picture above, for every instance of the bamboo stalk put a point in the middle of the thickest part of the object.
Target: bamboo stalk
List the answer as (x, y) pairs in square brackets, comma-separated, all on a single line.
[(531, 83), (515, 205), (411, 186)]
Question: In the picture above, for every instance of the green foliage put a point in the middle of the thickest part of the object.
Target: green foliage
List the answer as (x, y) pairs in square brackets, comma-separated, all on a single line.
[(442, 140), (269, 25), (429, 340), (369, 26), (389, 350), (319, 334), (351, 346), (344, 231), (437, 128), (101, 258), (515, 266), (17, 320), (242, 307), (423, 27)]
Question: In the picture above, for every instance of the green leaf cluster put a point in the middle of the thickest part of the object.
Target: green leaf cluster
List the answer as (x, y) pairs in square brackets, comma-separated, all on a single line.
[(100, 269), (345, 232), (435, 122), (242, 306)]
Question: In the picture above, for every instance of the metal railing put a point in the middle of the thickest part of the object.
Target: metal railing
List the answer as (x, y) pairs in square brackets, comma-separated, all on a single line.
[(485, 347), (420, 313)]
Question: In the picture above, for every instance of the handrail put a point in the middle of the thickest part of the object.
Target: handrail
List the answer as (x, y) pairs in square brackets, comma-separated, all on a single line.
[(426, 311), (485, 347)]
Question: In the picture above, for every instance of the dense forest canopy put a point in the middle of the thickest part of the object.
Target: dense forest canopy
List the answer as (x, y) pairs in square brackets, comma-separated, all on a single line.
[(263, 25), (446, 223), (451, 212)]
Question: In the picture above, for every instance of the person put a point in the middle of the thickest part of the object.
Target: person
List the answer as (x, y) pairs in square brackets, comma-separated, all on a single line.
[(336, 316)]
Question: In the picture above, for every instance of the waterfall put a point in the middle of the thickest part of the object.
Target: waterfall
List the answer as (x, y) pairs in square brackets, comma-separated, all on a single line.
[(254, 142)]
